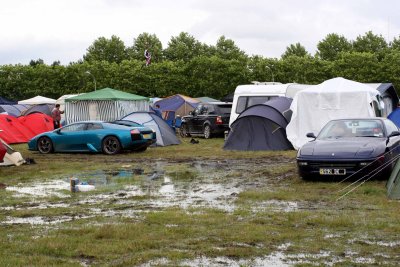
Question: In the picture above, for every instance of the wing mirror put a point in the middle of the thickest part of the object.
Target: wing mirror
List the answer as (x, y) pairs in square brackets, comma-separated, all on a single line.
[(394, 133), (58, 131), (311, 135), (191, 113)]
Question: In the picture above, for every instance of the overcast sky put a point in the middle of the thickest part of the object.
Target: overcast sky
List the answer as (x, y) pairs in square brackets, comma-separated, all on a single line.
[(63, 29)]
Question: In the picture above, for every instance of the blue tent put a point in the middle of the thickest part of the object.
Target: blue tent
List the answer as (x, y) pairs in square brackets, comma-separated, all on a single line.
[(395, 117), (5, 101), (261, 127), (179, 103)]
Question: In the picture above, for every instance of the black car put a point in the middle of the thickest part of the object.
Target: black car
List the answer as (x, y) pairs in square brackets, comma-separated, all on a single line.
[(208, 119), (361, 148)]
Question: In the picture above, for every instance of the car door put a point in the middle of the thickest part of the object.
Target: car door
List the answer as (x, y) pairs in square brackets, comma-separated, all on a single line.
[(94, 135), (71, 138), (201, 118), (393, 143), (192, 123)]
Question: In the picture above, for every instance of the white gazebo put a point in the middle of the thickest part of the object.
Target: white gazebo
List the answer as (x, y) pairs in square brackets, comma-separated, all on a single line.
[(38, 100)]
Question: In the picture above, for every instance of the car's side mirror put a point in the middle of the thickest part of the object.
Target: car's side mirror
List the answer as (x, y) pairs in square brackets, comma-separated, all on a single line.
[(394, 133), (191, 113), (58, 131), (311, 135)]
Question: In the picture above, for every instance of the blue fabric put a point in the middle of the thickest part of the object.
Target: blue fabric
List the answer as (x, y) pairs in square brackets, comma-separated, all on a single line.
[(173, 103), (395, 116)]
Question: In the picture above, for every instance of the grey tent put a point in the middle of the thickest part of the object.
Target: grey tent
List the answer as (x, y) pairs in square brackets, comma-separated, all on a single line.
[(261, 127), (393, 184), (41, 108), (165, 134), (14, 110)]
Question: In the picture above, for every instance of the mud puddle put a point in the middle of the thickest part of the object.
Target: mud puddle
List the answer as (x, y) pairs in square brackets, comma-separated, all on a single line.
[(156, 186)]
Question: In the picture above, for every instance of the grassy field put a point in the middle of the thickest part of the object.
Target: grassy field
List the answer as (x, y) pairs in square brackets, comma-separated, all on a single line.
[(190, 205)]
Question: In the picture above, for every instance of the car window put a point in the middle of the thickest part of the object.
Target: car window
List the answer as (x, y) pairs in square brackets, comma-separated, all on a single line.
[(205, 109), (74, 128), (390, 127), (352, 128), (197, 110), (224, 109), (94, 126), (241, 104)]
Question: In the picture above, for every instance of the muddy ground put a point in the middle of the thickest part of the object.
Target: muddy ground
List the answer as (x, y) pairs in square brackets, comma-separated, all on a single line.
[(299, 223)]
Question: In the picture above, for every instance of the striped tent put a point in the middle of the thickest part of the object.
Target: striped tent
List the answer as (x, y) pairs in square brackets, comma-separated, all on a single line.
[(106, 105)]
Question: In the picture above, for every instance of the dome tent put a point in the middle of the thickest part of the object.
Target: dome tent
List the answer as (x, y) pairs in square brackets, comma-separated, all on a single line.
[(165, 135), (261, 127)]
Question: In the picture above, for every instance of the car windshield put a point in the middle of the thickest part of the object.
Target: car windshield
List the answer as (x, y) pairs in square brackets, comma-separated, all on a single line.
[(352, 128)]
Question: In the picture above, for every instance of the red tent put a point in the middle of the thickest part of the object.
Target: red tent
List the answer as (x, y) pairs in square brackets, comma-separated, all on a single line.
[(37, 122), (13, 131), (3, 151)]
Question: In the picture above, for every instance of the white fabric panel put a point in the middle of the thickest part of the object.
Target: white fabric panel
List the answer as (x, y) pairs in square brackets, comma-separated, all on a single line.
[(104, 110), (333, 99)]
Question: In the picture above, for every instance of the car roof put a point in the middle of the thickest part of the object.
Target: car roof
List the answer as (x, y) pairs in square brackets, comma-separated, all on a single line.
[(369, 118)]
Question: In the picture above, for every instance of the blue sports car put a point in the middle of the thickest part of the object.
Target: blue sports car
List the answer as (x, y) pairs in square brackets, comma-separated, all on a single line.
[(359, 148), (95, 136)]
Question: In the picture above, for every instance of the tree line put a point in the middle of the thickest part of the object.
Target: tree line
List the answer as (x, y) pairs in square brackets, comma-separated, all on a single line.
[(190, 67)]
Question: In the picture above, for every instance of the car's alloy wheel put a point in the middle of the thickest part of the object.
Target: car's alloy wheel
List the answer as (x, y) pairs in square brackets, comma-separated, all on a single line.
[(207, 131), (111, 145), (45, 145)]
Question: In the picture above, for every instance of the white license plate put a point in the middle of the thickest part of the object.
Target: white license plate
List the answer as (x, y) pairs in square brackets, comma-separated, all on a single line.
[(147, 136), (332, 171)]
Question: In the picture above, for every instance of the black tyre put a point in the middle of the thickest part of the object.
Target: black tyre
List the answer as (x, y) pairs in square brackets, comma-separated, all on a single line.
[(45, 145), (207, 131), (183, 131), (111, 145)]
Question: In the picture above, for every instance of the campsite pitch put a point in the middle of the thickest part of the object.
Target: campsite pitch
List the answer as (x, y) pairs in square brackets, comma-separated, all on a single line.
[(189, 205)]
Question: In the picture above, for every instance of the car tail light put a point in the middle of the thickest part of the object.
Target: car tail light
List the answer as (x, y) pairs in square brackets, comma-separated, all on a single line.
[(219, 120), (135, 131)]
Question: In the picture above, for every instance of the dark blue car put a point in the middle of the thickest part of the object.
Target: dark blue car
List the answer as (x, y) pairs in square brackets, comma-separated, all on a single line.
[(360, 148), (95, 136)]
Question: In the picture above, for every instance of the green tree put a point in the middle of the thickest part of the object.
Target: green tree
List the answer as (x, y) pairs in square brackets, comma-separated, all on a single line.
[(370, 43), (330, 47), (262, 69), (146, 41), (358, 66), (395, 44), (227, 49), (103, 49), (34, 63), (295, 50), (183, 47)]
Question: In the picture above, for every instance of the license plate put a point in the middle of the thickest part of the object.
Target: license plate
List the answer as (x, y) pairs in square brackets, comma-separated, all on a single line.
[(332, 171), (147, 136)]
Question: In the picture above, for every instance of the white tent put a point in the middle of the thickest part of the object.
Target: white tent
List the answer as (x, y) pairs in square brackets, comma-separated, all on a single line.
[(333, 99), (38, 100)]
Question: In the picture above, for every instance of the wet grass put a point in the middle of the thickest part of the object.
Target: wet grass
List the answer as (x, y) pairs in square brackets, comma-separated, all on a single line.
[(361, 229)]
